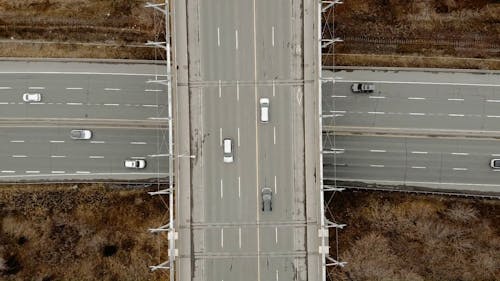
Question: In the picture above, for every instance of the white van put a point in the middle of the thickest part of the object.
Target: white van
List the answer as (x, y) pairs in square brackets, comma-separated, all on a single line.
[(228, 150), (264, 110)]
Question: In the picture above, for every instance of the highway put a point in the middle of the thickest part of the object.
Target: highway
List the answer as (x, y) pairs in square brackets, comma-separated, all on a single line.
[(241, 51), (454, 106), (80, 93)]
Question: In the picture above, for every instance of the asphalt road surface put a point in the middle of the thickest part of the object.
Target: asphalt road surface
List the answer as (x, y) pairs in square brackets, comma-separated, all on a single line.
[(243, 51), (87, 92)]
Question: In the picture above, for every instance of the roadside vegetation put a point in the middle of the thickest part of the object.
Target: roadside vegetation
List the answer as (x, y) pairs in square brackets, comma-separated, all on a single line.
[(395, 236), (79, 232), (437, 31), (113, 29)]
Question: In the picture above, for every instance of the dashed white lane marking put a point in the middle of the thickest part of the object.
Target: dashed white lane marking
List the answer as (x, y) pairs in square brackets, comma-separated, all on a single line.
[(74, 88), (150, 105), (153, 90), (56, 141), (456, 99), (493, 116), (416, 98), (337, 111), (418, 167), (158, 118), (272, 36), (274, 134), (32, 172), (238, 136), (377, 150), (36, 103), (277, 275), (335, 96), (111, 104), (58, 172), (377, 166), (138, 157), (97, 142), (112, 89), (455, 115), (17, 141), (4, 103), (5, 88), (218, 36), (221, 189), (8, 171), (376, 97), (337, 150), (460, 153), (276, 235), (137, 142), (492, 100), (36, 88), (82, 172), (236, 39), (460, 169), (57, 156), (220, 88), (239, 237), (417, 114), (275, 185), (220, 136), (96, 157), (239, 187), (74, 103), (19, 156), (419, 152), (495, 155), (376, 112), (222, 237)]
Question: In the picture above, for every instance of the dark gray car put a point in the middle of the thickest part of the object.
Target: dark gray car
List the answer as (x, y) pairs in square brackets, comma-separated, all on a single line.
[(267, 199)]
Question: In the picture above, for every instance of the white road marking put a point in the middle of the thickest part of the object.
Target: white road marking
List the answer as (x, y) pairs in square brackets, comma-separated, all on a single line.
[(277, 275), (495, 155), (238, 137), (376, 112), (36, 88), (337, 150), (97, 142), (377, 166), (58, 172), (236, 38), (111, 104), (56, 141), (19, 156), (74, 88), (420, 83), (82, 172), (237, 90), (112, 89), (455, 115), (416, 98), (239, 187), (493, 116), (276, 235), (137, 157), (456, 99), (8, 171), (337, 111), (153, 90), (37, 103), (272, 35), (158, 118), (220, 136), (274, 88), (32, 172), (417, 114), (150, 105), (376, 97), (335, 96), (57, 156), (4, 103), (275, 186), (419, 152), (492, 100), (221, 189), (218, 36), (274, 134), (17, 141), (96, 157), (220, 88), (377, 150), (460, 169), (222, 237), (239, 237), (460, 153), (137, 142), (418, 167), (5, 88)]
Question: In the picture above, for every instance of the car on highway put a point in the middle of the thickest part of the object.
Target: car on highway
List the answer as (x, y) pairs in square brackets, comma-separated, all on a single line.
[(32, 97), (267, 199), (228, 150), (363, 88), (81, 134), (495, 163), (135, 163), (264, 110)]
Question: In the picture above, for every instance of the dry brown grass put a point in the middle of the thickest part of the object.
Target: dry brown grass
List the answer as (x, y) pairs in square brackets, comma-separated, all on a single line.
[(62, 233), (401, 237)]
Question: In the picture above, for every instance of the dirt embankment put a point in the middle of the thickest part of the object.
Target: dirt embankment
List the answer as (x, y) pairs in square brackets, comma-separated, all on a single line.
[(79, 29), (82, 233), (418, 33), (393, 236)]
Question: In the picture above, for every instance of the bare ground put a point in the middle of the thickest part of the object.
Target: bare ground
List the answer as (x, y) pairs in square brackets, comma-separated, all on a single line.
[(394, 236), (77, 232)]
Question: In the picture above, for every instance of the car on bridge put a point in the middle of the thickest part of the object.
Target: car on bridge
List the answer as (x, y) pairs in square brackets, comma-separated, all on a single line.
[(32, 97), (363, 88), (135, 163), (81, 134), (267, 199)]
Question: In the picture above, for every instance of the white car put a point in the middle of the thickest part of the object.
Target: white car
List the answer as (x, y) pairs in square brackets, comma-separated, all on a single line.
[(135, 163), (495, 163), (32, 97), (228, 151), (81, 134), (264, 110)]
